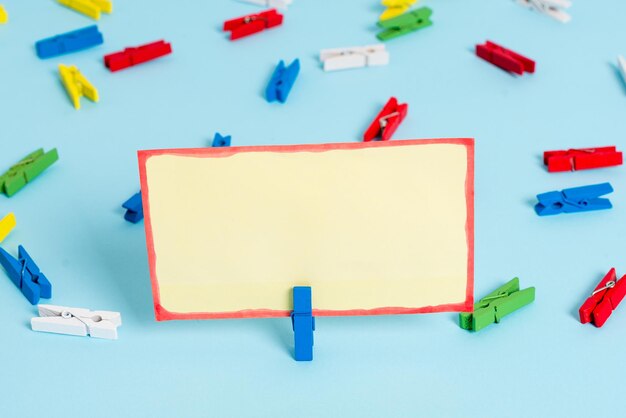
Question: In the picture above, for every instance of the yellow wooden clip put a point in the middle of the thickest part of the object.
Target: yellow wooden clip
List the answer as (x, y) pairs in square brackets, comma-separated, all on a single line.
[(77, 85), (6, 225), (395, 8), (91, 8), (4, 16)]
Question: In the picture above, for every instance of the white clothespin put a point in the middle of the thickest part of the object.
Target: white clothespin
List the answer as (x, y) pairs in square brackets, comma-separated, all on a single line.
[(621, 63), (276, 4), (552, 8), (77, 321), (355, 57)]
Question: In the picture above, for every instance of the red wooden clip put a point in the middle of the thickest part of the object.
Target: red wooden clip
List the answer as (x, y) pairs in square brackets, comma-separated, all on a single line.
[(582, 159), (604, 299), (136, 55), (247, 25), (505, 58), (387, 121)]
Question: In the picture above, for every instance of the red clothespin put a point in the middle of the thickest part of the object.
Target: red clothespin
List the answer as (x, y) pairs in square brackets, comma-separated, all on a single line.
[(582, 159), (247, 25), (505, 58), (387, 121), (136, 55), (604, 299)]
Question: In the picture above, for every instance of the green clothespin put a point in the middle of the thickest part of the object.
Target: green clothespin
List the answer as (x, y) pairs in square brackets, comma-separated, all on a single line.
[(26, 170), (405, 23), (496, 305)]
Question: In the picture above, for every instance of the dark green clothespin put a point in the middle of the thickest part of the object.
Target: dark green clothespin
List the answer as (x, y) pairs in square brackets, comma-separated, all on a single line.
[(405, 23), (496, 305), (26, 170)]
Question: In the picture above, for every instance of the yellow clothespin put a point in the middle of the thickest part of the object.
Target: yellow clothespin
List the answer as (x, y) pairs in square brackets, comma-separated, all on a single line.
[(77, 85), (395, 8), (4, 16), (91, 8), (6, 225)]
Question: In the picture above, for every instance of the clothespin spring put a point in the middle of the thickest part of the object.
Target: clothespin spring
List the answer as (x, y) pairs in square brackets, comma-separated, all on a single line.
[(608, 285), (383, 121)]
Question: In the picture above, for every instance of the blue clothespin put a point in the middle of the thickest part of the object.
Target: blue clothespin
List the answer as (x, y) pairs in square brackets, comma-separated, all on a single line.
[(281, 82), (221, 141), (577, 199), (303, 323), (69, 42), (25, 274), (134, 208)]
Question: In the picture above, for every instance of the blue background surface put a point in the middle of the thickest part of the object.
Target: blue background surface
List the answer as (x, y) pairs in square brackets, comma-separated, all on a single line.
[(538, 362)]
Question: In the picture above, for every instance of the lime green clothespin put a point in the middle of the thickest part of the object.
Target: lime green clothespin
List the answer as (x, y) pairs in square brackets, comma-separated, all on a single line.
[(496, 305), (26, 170), (405, 23)]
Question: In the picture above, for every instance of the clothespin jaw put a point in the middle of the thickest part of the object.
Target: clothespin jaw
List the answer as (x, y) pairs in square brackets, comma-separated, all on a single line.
[(6, 225), (303, 323), (137, 55), (91, 8), (395, 8), (221, 141), (278, 4), (26, 170), (552, 8), (77, 321), (505, 58), (387, 121), (76, 85), (4, 16), (134, 208), (621, 64), (25, 274), (582, 159), (69, 42), (355, 57), (254, 23), (604, 300), (282, 81), (405, 23), (577, 199), (492, 308)]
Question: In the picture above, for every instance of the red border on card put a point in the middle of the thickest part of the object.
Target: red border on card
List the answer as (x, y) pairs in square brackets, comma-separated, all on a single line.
[(163, 314)]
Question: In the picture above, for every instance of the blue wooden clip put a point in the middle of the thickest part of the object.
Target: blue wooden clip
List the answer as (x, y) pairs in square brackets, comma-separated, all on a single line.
[(282, 80), (25, 274), (134, 208), (303, 323), (577, 199), (69, 42), (221, 141)]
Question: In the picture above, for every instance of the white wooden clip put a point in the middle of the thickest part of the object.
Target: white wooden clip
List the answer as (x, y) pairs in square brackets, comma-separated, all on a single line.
[(77, 321), (354, 57), (276, 4), (621, 63), (552, 8)]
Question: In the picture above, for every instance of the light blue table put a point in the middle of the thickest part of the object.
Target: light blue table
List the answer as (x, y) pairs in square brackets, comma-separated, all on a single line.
[(540, 362)]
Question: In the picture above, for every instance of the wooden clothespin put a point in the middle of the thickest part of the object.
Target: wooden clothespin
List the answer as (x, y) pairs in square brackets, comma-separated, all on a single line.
[(582, 159), (552, 8), (134, 208), (6, 225), (4, 16), (136, 55), (303, 323), (405, 23), (354, 57), (76, 85), (505, 58), (66, 43), (621, 64), (604, 300), (25, 274), (91, 8), (282, 81), (253, 23), (387, 121), (395, 8), (77, 321), (26, 170), (220, 140), (576, 199), (496, 305)]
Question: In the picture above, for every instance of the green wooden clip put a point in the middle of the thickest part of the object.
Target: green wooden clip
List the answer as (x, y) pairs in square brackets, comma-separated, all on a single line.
[(26, 170), (496, 305), (405, 23)]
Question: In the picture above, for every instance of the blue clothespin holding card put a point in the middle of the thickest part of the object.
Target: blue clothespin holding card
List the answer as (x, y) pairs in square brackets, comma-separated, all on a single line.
[(134, 208), (221, 141), (25, 274), (577, 199), (69, 42), (303, 323), (282, 81)]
